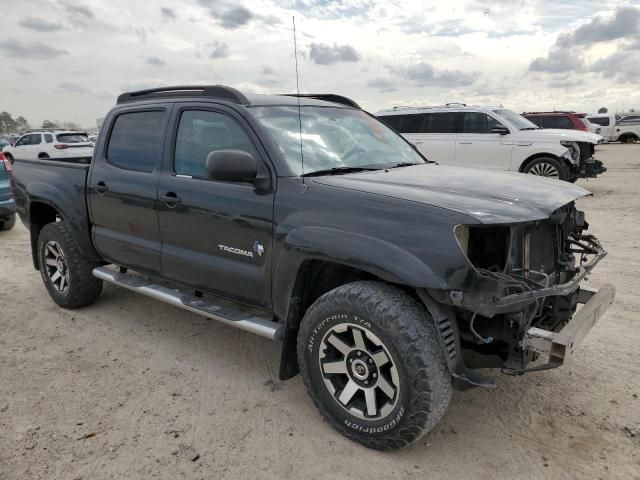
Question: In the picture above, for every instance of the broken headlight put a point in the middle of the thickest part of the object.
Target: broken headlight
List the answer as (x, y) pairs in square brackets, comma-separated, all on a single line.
[(574, 150)]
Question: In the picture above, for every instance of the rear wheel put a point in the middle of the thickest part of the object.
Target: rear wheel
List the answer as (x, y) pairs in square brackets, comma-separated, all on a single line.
[(628, 139), (8, 223), (371, 360), (547, 167), (66, 274)]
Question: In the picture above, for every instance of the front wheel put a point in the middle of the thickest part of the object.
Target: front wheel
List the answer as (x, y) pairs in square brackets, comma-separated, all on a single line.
[(371, 360), (547, 167), (66, 273)]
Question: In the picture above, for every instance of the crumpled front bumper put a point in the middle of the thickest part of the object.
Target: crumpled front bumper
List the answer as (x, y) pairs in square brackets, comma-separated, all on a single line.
[(558, 347)]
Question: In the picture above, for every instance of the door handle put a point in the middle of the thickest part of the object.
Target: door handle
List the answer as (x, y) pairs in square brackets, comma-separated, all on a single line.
[(101, 187), (170, 199), (466, 143)]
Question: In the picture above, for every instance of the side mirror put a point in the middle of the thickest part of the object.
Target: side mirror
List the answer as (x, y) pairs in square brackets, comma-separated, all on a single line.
[(500, 129), (232, 166)]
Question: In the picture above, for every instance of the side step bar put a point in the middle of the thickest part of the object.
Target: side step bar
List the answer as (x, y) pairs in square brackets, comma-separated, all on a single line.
[(241, 319)]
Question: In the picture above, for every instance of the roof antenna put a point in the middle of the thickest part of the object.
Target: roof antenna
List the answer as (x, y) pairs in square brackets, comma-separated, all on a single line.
[(295, 54)]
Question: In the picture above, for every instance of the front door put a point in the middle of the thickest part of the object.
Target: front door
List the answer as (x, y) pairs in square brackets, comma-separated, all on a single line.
[(27, 147), (478, 147), (216, 235), (123, 189)]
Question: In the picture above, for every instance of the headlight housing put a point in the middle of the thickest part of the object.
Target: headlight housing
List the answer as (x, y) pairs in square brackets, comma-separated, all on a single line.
[(574, 149)]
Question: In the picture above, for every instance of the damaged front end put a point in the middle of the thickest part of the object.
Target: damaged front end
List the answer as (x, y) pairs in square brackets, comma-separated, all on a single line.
[(517, 309)]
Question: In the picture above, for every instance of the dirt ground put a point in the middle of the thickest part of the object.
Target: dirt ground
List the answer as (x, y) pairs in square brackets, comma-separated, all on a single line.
[(161, 393)]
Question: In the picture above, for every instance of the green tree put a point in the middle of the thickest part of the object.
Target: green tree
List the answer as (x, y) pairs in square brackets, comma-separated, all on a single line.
[(49, 124), (22, 123), (603, 110), (7, 123)]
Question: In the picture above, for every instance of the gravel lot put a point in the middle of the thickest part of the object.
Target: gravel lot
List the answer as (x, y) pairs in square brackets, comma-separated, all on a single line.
[(162, 393)]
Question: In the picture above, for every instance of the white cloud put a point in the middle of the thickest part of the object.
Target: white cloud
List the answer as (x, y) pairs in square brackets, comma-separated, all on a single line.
[(381, 53)]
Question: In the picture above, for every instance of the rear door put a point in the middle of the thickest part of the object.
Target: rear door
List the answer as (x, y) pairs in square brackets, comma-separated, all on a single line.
[(437, 136), (216, 235), (478, 147), (123, 187)]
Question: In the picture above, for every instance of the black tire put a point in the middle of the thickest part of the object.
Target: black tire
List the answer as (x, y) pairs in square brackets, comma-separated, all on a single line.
[(80, 287), (9, 223), (43, 156), (422, 383), (547, 167), (9, 157), (629, 139)]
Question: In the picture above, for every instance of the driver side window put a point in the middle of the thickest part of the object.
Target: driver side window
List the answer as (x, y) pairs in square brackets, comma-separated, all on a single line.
[(477, 122), (202, 132)]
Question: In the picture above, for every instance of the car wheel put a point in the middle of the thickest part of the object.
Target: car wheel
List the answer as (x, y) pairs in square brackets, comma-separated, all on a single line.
[(9, 157), (66, 274), (547, 167), (9, 223), (629, 139), (371, 361)]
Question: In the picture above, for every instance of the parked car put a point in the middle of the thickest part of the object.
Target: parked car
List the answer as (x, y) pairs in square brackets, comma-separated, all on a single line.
[(495, 138), (558, 120), (54, 144), (7, 203), (388, 278), (617, 128)]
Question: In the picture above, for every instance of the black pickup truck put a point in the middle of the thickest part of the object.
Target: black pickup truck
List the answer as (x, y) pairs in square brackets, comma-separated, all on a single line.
[(389, 279)]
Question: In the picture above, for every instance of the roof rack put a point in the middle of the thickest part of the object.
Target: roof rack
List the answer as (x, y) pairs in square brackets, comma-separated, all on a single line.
[(327, 97), (216, 91), (554, 111)]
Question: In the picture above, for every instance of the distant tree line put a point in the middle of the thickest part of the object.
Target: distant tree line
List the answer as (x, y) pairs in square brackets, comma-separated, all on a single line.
[(8, 124)]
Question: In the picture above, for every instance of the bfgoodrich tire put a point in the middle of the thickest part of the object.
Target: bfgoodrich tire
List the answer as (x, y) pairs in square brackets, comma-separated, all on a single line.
[(547, 167), (66, 273), (372, 363), (8, 223)]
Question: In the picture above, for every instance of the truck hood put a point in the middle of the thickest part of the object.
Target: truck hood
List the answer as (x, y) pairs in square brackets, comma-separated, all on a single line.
[(489, 197), (550, 134)]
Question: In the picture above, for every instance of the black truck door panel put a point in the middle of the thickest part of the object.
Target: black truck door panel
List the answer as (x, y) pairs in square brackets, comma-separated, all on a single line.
[(123, 188), (216, 235)]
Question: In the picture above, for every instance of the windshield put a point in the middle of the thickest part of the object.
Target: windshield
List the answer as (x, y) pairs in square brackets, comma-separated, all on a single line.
[(516, 120), (334, 138)]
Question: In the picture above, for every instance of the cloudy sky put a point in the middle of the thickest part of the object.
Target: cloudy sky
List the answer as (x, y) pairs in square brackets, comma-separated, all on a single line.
[(69, 59)]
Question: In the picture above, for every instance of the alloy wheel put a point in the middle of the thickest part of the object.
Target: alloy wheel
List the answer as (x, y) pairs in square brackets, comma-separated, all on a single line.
[(545, 170), (56, 266), (359, 372)]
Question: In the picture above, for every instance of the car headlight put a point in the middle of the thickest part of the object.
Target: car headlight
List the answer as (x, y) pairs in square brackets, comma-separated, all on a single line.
[(574, 149)]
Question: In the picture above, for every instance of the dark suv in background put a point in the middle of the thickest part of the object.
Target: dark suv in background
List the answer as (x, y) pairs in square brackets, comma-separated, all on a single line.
[(562, 120)]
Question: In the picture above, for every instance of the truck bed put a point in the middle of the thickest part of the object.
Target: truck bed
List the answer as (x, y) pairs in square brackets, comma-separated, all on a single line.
[(59, 184)]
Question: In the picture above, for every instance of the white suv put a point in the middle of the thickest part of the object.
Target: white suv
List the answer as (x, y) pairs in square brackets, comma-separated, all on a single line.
[(58, 144), (496, 138)]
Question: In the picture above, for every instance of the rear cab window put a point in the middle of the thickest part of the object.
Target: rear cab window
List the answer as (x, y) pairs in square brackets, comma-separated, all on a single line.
[(136, 140)]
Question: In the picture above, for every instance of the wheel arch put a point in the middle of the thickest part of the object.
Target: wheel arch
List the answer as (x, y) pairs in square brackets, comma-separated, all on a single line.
[(40, 214), (536, 156)]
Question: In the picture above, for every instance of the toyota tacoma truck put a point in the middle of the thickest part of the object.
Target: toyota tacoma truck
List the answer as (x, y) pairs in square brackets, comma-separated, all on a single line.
[(389, 279)]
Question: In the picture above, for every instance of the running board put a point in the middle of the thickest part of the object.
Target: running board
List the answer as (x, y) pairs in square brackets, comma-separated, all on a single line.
[(234, 317)]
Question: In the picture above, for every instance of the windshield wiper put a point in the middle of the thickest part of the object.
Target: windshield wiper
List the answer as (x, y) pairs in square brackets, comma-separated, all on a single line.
[(338, 171), (404, 164)]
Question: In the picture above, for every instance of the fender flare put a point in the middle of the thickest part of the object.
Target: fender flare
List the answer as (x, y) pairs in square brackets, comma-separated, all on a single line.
[(75, 216)]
